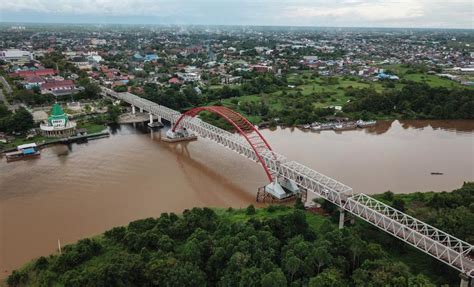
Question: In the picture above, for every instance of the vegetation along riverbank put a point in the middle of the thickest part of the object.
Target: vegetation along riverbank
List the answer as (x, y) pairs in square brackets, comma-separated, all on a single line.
[(272, 246)]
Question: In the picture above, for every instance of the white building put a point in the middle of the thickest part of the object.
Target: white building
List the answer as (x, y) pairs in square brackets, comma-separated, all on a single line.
[(189, 77), (15, 55)]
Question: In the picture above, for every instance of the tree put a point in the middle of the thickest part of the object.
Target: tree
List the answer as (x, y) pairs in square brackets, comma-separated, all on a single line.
[(4, 112), (357, 247), (21, 121), (276, 278), (388, 195), (92, 90), (381, 273), (328, 278), (322, 256), (420, 280), (41, 263), (399, 204), (250, 277), (186, 274), (191, 252), (292, 265), (299, 204), (114, 112), (250, 210), (119, 270)]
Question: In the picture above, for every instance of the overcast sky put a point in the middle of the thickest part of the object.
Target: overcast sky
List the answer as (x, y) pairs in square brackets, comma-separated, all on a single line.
[(359, 13)]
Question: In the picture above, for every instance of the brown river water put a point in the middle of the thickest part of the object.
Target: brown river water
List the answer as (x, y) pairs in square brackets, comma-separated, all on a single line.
[(77, 191)]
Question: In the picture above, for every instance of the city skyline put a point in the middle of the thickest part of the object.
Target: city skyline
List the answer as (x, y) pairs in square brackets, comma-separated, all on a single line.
[(341, 13)]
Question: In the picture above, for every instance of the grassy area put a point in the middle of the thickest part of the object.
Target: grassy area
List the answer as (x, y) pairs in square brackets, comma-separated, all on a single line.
[(91, 127), (410, 199), (23, 140), (431, 80), (325, 92), (240, 215)]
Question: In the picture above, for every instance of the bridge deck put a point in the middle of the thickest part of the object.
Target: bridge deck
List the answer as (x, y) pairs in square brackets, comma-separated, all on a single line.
[(446, 248)]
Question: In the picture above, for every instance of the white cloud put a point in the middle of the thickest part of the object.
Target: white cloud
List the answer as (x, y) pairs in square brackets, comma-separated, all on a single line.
[(85, 7), (387, 13), (369, 11)]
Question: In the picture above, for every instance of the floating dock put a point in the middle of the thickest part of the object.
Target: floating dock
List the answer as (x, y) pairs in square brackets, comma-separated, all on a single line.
[(179, 139)]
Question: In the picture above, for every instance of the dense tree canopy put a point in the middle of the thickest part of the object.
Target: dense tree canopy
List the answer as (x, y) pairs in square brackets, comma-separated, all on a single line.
[(415, 100), (202, 248), (20, 121)]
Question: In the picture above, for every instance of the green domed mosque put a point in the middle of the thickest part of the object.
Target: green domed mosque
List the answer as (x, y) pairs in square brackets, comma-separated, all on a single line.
[(58, 124)]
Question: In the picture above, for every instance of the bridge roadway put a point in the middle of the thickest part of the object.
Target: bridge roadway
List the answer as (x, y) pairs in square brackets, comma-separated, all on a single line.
[(448, 249)]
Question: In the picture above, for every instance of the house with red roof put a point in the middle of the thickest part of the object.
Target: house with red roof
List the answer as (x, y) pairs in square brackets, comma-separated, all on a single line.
[(33, 81), (57, 88), (174, 81), (31, 73)]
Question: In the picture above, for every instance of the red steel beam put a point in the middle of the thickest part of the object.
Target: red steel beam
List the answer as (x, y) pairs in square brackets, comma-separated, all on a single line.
[(241, 124)]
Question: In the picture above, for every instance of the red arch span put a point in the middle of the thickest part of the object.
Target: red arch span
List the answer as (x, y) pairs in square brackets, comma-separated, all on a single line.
[(241, 124)]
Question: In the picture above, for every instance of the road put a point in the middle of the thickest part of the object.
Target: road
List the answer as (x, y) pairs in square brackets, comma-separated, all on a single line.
[(6, 85), (5, 88)]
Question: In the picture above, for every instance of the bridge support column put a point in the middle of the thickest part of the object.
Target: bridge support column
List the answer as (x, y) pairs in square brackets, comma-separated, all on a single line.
[(133, 109), (341, 218), (464, 280), (151, 118), (141, 110)]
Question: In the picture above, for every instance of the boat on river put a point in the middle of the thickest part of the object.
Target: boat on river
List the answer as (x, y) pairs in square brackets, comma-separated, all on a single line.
[(344, 126), (365, 124), (25, 151)]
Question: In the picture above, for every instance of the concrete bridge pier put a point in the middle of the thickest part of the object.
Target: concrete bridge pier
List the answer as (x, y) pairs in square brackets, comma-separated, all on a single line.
[(465, 281), (341, 218), (151, 118), (141, 110), (133, 109)]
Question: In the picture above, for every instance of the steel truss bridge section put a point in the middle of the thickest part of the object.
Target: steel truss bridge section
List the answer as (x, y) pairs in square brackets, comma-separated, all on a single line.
[(435, 242), (448, 249)]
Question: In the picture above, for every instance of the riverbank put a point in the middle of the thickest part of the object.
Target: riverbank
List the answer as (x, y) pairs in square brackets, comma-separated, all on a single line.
[(132, 253), (93, 130)]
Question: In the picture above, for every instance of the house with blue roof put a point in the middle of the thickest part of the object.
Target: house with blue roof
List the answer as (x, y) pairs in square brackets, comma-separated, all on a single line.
[(150, 57), (137, 57)]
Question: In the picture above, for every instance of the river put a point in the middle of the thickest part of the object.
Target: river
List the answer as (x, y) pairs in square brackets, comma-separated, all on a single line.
[(81, 190)]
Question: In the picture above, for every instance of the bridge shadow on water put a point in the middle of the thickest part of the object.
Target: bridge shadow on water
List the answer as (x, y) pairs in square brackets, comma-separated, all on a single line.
[(194, 170)]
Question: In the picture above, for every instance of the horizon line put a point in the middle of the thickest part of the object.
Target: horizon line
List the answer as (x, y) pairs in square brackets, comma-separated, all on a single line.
[(229, 25)]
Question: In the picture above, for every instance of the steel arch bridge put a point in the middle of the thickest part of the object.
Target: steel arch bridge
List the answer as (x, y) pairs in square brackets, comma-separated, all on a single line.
[(258, 143), (448, 249)]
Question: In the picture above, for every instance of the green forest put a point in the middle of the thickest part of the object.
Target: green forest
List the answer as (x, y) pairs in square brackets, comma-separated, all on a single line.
[(273, 246), (19, 122)]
